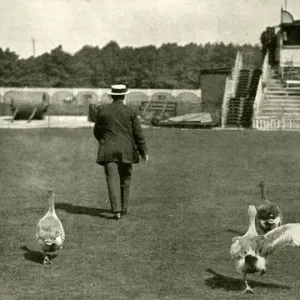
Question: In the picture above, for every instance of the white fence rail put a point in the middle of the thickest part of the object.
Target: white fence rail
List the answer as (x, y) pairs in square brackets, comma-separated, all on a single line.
[(47, 122), (277, 123), (293, 84)]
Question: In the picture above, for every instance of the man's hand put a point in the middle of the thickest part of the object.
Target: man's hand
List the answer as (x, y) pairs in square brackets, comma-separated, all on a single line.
[(145, 158)]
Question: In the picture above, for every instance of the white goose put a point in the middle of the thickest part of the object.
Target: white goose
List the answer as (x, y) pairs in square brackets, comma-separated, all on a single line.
[(268, 214), (50, 232), (244, 251), (250, 251)]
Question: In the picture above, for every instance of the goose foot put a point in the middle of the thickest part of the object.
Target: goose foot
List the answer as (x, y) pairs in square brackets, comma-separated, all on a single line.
[(47, 261), (117, 216), (248, 289)]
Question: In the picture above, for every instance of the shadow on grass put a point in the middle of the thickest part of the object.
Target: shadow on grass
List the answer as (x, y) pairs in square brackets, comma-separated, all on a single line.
[(237, 232), (83, 210), (32, 255), (35, 256), (219, 281)]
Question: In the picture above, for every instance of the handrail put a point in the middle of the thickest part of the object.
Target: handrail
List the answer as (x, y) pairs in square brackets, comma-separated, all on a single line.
[(260, 90), (230, 85), (292, 82), (226, 96), (258, 97), (266, 68), (237, 67)]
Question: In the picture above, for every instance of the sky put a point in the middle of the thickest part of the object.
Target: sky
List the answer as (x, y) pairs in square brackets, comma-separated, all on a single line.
[(76, 23)]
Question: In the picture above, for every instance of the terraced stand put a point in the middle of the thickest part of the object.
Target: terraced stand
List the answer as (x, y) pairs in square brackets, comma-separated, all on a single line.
[(281, 98), (236, 104), (280, 105), (240, 107), (247, 112)]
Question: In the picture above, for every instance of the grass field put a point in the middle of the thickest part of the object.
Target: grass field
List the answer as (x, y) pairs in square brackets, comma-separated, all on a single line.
[(187, 203)]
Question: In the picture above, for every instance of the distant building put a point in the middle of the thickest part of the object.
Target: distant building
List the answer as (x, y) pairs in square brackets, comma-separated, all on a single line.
[(283, 43)]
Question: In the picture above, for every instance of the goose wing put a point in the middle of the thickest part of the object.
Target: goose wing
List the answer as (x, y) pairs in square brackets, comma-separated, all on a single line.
[(62, 235), (285, 235), (236, 249)]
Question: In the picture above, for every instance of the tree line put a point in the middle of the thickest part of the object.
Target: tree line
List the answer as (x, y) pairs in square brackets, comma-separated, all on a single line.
[(168, 66)]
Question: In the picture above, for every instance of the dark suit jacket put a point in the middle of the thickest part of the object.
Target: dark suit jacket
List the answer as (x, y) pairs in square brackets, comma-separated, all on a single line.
[(119, 132)]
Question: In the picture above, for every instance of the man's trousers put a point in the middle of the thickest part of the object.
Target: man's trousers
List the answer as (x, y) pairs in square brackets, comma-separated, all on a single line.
[(118, 177)]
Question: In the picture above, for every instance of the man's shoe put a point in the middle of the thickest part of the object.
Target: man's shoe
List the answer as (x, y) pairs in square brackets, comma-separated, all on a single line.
[(117, 216)]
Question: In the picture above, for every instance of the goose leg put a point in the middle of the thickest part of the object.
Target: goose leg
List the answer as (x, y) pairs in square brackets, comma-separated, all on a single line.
[(248, 289)]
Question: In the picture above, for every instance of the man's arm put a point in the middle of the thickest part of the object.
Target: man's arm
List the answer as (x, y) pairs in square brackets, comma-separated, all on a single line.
[(98, 131), (139, 137)]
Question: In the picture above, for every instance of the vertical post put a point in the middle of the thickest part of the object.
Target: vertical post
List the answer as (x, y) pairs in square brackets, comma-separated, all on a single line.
[(282, 117), (33, 46)]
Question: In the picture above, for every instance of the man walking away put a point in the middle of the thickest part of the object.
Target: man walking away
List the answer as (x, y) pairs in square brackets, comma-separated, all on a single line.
[(121, 142)]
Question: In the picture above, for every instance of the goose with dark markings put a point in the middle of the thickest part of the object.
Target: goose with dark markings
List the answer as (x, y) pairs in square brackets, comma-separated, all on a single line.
[(50, 232), (250, 252), (269, 214)]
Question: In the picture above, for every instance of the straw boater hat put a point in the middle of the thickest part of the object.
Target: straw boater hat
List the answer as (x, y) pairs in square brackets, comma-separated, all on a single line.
[(118, 89)]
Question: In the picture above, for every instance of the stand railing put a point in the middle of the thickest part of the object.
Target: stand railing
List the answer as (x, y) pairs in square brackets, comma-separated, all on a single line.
[(277, 123)]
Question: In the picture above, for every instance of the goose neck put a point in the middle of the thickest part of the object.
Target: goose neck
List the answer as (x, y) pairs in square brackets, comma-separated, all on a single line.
[(51, 204)]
